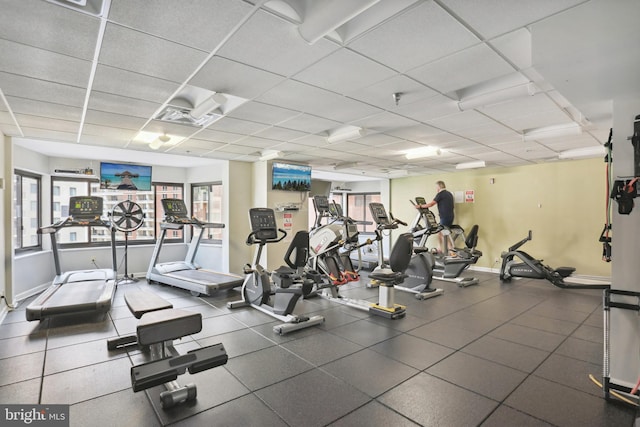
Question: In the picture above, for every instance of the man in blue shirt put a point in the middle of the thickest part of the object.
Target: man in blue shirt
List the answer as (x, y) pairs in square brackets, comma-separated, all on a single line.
[(444, 200)]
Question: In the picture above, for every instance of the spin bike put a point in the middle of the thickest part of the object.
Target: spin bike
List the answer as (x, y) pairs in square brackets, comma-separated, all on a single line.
[(259, 292), (531, 268), (420, 269)]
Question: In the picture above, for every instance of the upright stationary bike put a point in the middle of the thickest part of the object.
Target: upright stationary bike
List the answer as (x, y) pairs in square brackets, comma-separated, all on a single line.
[(259, 292)]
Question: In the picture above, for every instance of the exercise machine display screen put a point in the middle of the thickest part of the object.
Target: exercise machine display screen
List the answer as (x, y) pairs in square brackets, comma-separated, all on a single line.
[(379, 213), (263, 223), (88, 207), (335, 210), (421, 201), (321, 203), (174, 209)]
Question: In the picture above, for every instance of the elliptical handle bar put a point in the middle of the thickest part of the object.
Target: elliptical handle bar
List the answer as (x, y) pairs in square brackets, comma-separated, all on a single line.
[(396, 220), (521, 242), (251, 238)]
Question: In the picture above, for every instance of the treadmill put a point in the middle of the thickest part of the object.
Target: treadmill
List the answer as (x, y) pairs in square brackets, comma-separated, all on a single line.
[(81, 291), (187, 274)]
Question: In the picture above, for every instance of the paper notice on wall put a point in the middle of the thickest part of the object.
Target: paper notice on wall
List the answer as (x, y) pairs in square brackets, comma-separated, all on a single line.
[(458, 197), (288, 221), (469, 196)]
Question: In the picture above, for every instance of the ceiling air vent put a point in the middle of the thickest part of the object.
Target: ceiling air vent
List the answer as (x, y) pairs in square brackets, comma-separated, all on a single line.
[(183, 116), (92, 7)]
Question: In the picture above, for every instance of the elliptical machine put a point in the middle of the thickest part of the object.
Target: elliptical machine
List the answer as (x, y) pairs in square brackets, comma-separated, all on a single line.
[(448, 265), (419, 271), (258, 290), (532, 268)]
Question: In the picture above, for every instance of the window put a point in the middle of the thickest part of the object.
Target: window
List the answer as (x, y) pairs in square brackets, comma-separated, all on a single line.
[(148, 201), (206, 205), (358, 209), (26, 218)]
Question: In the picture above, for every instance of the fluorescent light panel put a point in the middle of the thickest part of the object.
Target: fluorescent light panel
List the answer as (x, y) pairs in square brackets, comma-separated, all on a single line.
[(583, 153), (471, 165), (418, 153), (497, 96), (552, 131), (270, 155), (346, 165), (345, 133)]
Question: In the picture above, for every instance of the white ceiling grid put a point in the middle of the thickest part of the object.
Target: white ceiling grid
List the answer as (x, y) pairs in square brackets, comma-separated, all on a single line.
[(429, 51)]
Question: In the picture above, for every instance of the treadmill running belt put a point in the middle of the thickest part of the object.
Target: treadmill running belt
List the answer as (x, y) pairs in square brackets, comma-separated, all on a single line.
[(206, 277)]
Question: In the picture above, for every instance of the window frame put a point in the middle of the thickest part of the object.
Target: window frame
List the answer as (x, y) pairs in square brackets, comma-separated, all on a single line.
[(19, 176), (362, 228), (193, 210)]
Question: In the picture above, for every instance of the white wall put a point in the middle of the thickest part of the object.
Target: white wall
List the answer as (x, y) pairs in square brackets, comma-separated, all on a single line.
[(6, 267)]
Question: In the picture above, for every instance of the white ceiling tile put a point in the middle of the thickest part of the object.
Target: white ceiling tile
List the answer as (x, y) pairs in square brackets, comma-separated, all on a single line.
[(133, 85), (307, 124), (148, 55), (378, 139), (44, 109), (231, 125), (121, 105), (177, 21), (515, 46), (384, 122), (49, 134), (226, 76), (530, 105), (429, 109), (24, 87), (461, 120), (158, 126), (344, 71), (114, 120), (219, 136), (415, 133), (36, 122), (482, 16), (262, 113), (201, 144), (27, 61), (280, 134), (260, 143), (50, 27), (487, 65), (123, 135), (415, 37), (380, 94), (238, 149), (272, 44), (533, 121)]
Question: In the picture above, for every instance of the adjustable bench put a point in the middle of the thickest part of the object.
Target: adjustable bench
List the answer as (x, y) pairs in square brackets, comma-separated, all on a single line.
[(159, 325)]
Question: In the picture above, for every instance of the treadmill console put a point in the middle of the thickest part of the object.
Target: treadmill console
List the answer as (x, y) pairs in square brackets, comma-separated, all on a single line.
[(263, 223), (175, 210), (85, 207), (379, 213)]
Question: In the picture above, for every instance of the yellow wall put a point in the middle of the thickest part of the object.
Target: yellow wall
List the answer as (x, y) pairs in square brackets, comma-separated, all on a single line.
[(561, 202)]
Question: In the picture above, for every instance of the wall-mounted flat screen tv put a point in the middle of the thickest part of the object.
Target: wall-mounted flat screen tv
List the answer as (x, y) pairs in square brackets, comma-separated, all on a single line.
[(125, 176), (290, 177)]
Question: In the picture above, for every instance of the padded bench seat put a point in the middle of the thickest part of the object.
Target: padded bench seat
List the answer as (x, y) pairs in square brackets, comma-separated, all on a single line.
[(141, 302), (166, 325)]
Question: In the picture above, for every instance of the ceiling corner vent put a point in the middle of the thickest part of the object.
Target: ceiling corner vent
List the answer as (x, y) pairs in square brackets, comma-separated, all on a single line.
[(183, 116), (92, 7)]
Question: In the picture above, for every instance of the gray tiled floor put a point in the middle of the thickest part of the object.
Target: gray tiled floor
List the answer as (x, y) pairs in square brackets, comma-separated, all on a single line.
[(492, 355)]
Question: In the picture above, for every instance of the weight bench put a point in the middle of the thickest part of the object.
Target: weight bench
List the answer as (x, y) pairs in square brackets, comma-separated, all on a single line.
[(159, 325)]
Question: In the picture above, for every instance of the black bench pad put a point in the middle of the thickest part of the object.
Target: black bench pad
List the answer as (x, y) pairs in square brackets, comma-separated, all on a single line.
[(166, 325)]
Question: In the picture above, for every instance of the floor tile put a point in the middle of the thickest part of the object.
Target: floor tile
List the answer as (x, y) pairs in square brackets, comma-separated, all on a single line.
[(85, 354), (430, 401), (218, 325), (528, 336), (549, 324), (265, 367), (312, 399), (564, 406), (571, 373), (240, 342), (21, 368), (321, 348), (25, 392), (370, 372), (448, 336), (505, 416), (589, 333), (516, 356), (479, 375), (373, 414), (24, 344), (413, 351), (114, 410), (587, 351), (365, 333)]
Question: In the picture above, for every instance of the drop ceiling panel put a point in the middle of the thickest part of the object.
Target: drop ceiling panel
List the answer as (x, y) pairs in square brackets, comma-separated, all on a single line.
[(530, 105), (415, 133), (380, 94), (202, 144), (312, 141), (27, 61), (300, 96), (344, 71), (36, 122), (49, 134), (158, 126), (309, 124), (243, 127), (384, 122), (223, 75), (148, 55), (487, 65), (429, 109), (272, 44), (262, 113), (108, 141), (44, 109), (25, 87), (237, 149), (188, 151), (118, 134), (378, 139), (461, 120), (50, 27), (280, 134), (115, 120), (221, 155), (545, 118), (176, 21), (515, 46), (127, 83), (482, 15), (219, 136), (260, 143), (121, 105), (417, 36)]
